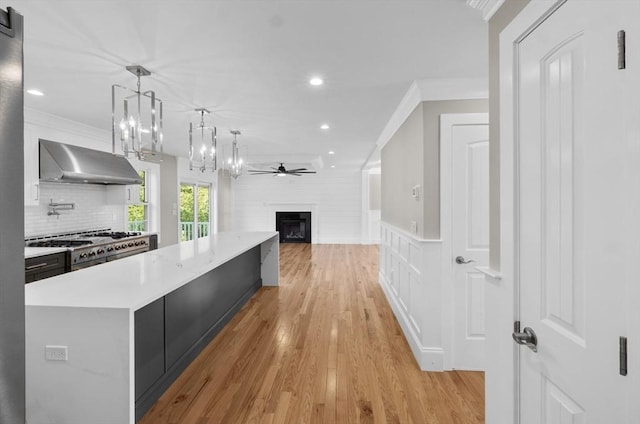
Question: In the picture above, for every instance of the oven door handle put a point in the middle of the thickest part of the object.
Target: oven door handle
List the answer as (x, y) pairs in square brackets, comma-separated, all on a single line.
[(36, 266), (127, 254)]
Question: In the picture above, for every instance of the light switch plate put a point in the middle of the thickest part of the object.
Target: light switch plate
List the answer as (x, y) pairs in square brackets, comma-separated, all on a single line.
[(56, 353), (414, 227), (415, 192)]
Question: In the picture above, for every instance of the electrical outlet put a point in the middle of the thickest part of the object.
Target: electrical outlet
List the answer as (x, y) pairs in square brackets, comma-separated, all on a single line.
[(56, 353), (414, 227)]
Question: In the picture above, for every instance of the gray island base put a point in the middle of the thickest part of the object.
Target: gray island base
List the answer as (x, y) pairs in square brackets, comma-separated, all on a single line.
[(128, 328)]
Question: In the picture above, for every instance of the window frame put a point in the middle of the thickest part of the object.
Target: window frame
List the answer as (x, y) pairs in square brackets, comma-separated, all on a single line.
[(196, 185)]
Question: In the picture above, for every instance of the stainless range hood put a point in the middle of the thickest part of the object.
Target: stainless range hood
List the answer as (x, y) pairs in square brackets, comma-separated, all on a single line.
[(64, 163)]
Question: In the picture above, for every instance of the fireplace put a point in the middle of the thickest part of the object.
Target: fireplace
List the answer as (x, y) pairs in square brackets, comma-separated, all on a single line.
[(294, 227)]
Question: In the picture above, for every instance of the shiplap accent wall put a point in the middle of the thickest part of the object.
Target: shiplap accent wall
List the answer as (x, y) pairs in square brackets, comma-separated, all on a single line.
[(335, 197)]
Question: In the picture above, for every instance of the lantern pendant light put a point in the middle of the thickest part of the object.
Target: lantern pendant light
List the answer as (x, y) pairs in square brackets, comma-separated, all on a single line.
[(136, 119), (235, 163), (204, 134)]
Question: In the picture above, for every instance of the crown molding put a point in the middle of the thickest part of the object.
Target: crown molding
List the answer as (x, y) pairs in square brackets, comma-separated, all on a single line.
[(487, 7), (426, 90)]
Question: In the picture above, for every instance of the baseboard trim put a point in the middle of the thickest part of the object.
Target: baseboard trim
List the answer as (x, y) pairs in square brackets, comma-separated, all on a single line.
[(428, 358)]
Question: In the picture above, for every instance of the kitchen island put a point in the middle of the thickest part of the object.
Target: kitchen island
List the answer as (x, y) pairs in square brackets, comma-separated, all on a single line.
[(105, 341)]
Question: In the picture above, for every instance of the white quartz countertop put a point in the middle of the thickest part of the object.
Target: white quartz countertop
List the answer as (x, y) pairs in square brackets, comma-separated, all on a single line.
[(138, 280), (32, 252)]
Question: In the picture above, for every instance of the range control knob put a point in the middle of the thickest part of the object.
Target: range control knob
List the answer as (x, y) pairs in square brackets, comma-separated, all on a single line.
[(117, 247), (100, 251), (124, 245), (83, 255), (137, 243), (110, 248), (130, 243), (92, 253), (143, 242)]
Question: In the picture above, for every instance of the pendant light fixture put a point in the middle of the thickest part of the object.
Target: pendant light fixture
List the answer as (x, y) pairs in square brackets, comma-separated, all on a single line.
[(136, 119), (204, 134), (234, 163)]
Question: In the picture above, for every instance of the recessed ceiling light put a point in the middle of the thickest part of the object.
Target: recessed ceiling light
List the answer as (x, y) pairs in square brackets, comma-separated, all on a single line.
[(324, 126), (316, 81), (35, 92), (331, 152), (333, 166)]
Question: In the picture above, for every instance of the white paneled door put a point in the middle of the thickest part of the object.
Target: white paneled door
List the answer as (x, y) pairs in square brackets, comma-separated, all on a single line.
[(572, 197), (469, 143)]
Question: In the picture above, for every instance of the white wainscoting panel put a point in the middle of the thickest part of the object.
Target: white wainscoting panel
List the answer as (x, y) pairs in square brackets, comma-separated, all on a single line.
[(411, 278), (333, 197)]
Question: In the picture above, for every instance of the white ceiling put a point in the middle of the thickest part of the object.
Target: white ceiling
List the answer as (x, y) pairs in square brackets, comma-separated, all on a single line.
[(249, 62)]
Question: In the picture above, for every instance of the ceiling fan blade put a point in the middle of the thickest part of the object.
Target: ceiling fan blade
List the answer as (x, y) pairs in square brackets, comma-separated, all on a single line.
[(281, 171)]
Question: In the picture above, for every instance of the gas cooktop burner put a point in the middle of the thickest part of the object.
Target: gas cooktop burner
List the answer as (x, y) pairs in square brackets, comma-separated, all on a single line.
[(84, 239), (59, 243), (114, 234)]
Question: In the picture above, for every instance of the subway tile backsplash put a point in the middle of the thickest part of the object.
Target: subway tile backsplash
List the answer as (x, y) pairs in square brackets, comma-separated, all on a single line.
[(93, 209)]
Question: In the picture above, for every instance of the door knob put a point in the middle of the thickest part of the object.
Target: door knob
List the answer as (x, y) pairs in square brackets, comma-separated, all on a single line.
[(527, 338), (460, 260)]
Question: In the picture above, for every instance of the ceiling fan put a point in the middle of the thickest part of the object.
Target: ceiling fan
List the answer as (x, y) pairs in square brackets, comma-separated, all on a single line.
[(281, 171)]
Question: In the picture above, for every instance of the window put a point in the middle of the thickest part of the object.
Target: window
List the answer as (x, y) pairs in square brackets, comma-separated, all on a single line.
[(138, 217), (195, 206)]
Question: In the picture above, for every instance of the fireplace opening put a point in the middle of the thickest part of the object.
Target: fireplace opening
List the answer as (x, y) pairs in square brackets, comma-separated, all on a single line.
[(294, 227)]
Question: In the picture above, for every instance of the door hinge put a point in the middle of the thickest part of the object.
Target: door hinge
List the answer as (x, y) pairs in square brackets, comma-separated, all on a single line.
[(622, 56), (623, 356)]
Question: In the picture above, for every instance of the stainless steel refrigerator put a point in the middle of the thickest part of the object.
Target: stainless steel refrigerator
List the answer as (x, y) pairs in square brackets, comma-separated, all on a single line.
[(12, 337)]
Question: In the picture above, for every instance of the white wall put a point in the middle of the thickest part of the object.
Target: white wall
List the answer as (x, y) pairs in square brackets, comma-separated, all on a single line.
[(334, 197), (92, 210)]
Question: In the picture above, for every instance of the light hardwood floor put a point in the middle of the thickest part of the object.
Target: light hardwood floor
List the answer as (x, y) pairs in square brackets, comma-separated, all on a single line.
[(323, 347)]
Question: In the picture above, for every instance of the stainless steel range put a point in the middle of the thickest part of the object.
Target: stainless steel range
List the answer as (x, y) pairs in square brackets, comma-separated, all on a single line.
[(96, 247)]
